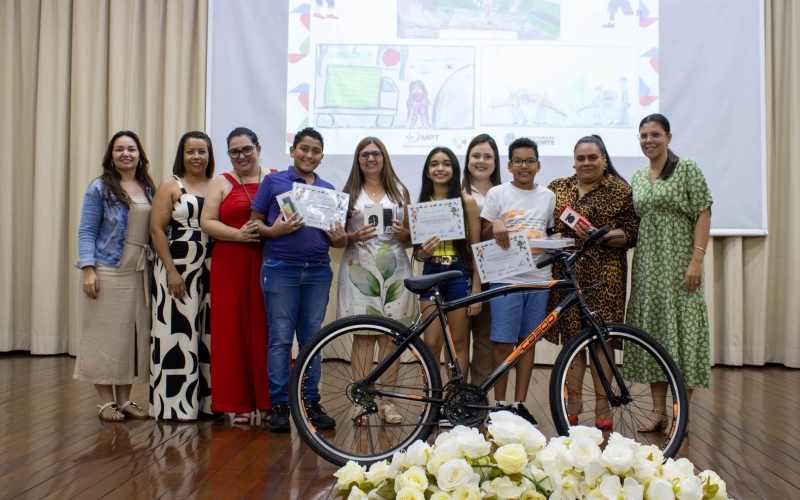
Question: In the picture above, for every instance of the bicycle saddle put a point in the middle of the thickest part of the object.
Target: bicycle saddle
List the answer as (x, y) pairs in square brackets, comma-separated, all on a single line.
[(421, 284)]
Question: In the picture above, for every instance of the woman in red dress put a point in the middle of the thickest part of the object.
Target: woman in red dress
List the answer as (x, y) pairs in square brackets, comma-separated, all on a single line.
[(239, 321)]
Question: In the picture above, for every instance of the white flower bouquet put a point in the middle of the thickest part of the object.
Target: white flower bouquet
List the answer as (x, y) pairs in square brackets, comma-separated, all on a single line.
[(518, 462)]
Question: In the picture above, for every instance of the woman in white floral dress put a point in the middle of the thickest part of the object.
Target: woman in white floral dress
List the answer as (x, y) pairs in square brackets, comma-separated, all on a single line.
[(667, 300), (375, 261)]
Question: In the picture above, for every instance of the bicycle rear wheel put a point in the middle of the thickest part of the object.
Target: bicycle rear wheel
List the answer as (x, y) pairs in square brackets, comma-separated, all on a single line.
[(363, 433), (586, 402)]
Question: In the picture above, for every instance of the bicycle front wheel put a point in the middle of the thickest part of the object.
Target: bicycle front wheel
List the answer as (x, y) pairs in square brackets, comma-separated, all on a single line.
[(578, 398), (370, 426)]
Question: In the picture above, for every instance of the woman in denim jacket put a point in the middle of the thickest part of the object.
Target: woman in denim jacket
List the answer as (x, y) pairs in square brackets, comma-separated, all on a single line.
[(113, 254)]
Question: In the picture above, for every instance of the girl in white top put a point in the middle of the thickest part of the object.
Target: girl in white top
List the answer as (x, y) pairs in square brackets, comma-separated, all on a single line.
[(482, 173)]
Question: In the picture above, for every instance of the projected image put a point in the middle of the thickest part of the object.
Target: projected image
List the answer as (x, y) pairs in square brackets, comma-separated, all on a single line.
[(594, 91), (397, 86), (488, 19)]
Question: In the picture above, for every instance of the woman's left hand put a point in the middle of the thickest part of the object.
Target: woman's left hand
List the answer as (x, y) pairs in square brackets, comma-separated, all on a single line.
[(580, 230), (175, 285), (694, 274), (474, 309), (399, 230)]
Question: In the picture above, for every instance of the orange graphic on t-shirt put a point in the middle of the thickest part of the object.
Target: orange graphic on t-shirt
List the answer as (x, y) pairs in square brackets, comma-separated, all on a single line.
[(515, 221)]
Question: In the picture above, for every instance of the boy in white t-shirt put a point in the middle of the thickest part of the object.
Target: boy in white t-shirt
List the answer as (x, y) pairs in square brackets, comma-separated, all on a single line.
[(520, 205)]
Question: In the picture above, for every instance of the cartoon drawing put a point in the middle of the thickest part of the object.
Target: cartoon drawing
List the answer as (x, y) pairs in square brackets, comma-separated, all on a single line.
[(625, 6), (624, 104), (331, 10), (543, 104), (602, 107), (526, 19), (364, 86), (418, 104)]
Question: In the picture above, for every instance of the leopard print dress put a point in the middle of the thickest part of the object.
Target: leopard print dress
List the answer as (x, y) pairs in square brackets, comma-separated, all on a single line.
[(610, 204)]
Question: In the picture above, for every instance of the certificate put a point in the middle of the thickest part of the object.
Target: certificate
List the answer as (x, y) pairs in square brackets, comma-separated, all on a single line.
[(320, 207), (494, 263), (442, 218)]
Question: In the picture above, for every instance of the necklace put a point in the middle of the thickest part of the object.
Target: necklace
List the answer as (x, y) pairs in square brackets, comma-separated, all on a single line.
[(379, 189), (241, 183)]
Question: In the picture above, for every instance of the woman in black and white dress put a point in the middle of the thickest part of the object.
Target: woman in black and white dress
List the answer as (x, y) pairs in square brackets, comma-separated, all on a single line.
[(180, 381)]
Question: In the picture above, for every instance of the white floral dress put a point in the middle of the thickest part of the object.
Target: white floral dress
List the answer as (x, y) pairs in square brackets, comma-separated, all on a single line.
[(372, 272)]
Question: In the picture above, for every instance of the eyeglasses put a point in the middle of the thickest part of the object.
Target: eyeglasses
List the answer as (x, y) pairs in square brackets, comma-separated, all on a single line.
[(517, 162), (246, 151), (652, 135), (366, 154)]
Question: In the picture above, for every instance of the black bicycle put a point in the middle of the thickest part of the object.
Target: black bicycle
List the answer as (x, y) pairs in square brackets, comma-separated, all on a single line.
[(363, 393)]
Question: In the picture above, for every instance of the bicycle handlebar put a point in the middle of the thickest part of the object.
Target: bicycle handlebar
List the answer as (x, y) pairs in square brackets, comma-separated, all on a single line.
[(593, 237)]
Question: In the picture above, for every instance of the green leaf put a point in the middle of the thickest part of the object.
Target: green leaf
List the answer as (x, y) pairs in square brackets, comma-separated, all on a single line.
[(393, 293), (385, 260), (515, 477), (366, 487), (343, 494), (372, 310), (387, 491), (364, 280)]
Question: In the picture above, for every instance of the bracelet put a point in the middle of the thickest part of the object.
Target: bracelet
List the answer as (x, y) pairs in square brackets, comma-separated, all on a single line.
[(701, 249)]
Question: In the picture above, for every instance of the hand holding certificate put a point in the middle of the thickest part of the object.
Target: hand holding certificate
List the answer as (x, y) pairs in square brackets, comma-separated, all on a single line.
[(494, 263), (320, 207), (441, 218)]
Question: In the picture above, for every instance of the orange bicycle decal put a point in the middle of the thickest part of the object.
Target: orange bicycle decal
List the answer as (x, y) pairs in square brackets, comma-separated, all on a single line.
[(533, 337)]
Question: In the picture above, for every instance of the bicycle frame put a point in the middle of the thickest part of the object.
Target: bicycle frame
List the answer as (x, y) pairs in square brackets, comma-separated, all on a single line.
[(572, 300)]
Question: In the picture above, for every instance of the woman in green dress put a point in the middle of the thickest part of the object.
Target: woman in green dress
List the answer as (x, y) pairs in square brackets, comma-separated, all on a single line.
[(667, 300)]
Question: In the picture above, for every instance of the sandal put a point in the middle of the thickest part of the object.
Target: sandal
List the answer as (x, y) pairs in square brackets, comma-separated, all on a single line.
[(143, 415), (263, 416), (573, 419), (389, 414), (239, 418), (114, 408), (601, 423), (655, 425)]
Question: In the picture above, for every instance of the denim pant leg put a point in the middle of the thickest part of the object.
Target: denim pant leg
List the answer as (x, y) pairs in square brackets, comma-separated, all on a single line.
[(280, 283), (315, 286)]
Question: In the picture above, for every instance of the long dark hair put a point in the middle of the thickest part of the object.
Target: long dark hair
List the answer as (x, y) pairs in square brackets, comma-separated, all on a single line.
[(453, 191), (178, 168), (112, 191), (466, 184), (389, 180), (672, 158), (598, 141)]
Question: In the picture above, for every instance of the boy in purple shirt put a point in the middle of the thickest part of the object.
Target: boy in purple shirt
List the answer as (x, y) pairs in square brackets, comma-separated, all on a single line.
[(295, 278)]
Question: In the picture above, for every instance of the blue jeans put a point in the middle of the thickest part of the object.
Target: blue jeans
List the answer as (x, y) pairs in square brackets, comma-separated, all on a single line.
[(296, 296), (515, 316)]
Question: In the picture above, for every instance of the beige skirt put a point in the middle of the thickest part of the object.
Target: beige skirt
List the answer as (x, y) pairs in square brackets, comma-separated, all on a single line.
[(114, 336)]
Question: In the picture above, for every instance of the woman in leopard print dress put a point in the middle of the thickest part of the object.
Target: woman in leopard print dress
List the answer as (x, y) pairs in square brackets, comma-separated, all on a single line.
[(597, 192)]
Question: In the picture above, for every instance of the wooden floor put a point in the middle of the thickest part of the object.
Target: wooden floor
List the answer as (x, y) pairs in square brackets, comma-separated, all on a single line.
[(52, 445)]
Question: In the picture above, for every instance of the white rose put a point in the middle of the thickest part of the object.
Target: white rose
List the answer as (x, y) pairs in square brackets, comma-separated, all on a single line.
[(507, 428), (440, 495), (618, 439), (689, 489), (713, 485), (378, 472), (652, 454), (584, 451), (511, 458), (409, 493), (629, 490), (618, 458), (350, 473), (356, 494), (398, 464), (448, 450), (504, 487), (532, 495), (453, 473), (660, 489), (580, 431), (414, 477), (686, 467), (468, 491), (533, 440), (418, 453), (552, 454), (473, 444)]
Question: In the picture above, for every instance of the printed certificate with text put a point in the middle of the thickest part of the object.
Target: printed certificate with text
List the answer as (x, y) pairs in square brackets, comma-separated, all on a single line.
[(494, 263), (442, 218)]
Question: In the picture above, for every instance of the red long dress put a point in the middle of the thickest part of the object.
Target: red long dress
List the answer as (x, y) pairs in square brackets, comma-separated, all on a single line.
[(239, 347)]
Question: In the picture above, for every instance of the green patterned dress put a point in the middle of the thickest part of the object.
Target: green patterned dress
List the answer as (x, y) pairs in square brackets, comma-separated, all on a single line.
[(659, 304)]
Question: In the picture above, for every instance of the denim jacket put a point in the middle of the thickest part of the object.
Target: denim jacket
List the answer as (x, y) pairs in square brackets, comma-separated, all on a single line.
[(103, 228)]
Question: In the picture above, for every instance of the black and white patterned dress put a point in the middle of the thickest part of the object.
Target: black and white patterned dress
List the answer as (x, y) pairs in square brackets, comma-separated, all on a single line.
[(180, 380)]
